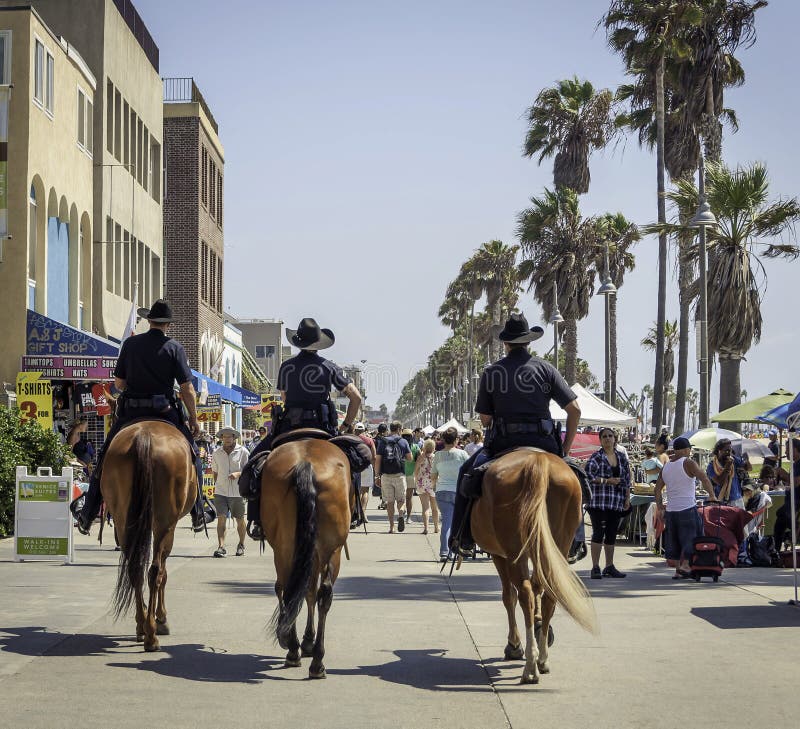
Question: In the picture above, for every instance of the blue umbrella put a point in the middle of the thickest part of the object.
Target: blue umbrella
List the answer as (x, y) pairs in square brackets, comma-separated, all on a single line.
[(784, 416)]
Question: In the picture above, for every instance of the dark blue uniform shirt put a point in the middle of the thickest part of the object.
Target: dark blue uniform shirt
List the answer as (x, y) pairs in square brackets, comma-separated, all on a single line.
[(151, 363), (519, 387), (307, 379)]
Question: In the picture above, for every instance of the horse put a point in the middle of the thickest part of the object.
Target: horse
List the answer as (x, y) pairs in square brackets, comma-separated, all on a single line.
[(148, 482), (529, 509), (306, 504)]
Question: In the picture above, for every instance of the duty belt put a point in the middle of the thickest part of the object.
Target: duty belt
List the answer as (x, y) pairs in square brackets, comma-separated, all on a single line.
[(539, 428)]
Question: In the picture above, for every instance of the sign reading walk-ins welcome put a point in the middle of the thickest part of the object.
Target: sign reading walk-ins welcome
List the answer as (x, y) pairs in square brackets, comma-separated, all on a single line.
[(42, 521)]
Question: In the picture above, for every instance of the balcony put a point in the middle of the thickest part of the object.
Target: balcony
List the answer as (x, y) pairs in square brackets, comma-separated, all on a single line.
[(185, 91)]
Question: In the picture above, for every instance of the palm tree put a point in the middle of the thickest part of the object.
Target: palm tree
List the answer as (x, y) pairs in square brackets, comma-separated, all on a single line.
[(670, 340), (692, 400), (622, 235), (570, 120), (559, 246), (647, 33), (494, 267), (748, 225)]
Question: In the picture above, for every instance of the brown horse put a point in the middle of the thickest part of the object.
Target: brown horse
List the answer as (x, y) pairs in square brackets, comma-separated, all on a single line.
[(305, 510), (148, 483), (529, 510)]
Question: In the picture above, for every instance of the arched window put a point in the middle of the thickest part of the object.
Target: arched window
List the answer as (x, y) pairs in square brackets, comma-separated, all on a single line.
[(32, 249)]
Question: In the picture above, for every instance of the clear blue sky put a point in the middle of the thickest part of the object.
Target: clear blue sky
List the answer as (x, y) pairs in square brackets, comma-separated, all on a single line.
[(371, 146)]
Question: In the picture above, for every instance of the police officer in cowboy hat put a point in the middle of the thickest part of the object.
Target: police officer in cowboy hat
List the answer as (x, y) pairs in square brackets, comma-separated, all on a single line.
[(305, 382), (514, 404), (148, 366)]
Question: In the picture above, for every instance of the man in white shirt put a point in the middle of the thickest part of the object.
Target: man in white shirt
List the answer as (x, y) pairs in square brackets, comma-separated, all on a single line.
[(476, 442), (227, 463)]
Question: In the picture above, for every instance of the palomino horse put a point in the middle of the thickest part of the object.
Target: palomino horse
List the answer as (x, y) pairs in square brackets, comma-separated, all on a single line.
[(148, 482), (529, 510), (305, 511)]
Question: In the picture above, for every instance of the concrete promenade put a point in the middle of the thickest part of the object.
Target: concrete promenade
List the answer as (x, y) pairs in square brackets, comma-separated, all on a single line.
[(405, 646)]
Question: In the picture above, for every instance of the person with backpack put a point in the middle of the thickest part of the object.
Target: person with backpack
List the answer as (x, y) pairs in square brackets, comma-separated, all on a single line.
[(411, 483), (392, 453)]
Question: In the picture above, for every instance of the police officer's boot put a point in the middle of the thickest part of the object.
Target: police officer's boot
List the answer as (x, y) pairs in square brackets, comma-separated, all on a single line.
[(87, 506), (254, 529), (461, 540), (202, 512), (357, 518)]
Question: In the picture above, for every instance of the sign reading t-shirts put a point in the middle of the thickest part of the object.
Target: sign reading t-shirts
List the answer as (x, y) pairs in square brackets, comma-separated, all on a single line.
[(35, 398)]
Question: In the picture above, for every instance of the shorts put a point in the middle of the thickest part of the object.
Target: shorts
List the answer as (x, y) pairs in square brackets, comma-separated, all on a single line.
[(411, 482), (224, 504), (681, 529), (393, 487)]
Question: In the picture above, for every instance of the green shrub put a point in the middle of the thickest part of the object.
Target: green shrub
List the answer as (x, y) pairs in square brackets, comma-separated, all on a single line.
[(23, 444)]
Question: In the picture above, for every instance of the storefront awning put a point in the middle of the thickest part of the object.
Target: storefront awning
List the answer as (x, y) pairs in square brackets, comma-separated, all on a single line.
[(215, 388), (249, 399)]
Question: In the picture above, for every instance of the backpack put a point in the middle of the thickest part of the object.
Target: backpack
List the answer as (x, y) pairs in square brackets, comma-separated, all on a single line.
[(761, 551), (392, 461)]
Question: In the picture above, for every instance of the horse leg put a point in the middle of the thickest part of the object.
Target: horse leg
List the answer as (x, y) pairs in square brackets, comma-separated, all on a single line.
[(162, 626), (307, 646), (153, 579), (139, 598), (324, 600), (527, 600), (548, 608), (513, 649)]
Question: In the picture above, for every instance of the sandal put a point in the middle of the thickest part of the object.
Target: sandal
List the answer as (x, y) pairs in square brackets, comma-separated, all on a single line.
[(681, 575)]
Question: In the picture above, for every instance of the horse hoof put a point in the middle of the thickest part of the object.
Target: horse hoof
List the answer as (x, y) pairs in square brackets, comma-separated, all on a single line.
[(307, 649), (513, 653), (317, 674), (291, 662), (529, 678), (537, 631), (543, 667), (162, 628), (139, 637), (152, 647)]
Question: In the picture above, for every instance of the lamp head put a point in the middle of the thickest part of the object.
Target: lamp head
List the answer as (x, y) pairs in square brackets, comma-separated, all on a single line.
[(703, 218)]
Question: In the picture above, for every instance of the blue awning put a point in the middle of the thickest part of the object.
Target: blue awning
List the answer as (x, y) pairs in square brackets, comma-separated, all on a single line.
[(215, 388), (249, 399)]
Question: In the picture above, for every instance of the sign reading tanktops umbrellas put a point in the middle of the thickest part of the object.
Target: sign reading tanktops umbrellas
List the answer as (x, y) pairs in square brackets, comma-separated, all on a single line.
[(42, 520)]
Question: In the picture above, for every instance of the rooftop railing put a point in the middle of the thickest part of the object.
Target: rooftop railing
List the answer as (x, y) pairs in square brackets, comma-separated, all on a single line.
[(183, 91)]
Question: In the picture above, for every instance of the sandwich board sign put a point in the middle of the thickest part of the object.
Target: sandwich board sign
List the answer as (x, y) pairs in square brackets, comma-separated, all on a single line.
[(42, 520)]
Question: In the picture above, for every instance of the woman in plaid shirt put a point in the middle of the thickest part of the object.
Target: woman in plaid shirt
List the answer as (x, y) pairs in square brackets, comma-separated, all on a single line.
[(610, 476)]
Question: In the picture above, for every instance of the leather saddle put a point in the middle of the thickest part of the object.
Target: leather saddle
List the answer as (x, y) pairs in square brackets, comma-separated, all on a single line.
[(357, 452)]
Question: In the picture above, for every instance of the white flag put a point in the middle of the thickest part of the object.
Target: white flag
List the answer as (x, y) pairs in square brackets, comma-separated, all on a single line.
[(131, 324)]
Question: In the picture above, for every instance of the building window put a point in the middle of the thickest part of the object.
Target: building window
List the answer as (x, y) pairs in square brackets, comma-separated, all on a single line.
[(204, 177), (265, 351), (49, 85), (85, 131), (219, 285), (109, 117), (43, 73), (126, 134), (212, 202), (204, 271), (5, 57), (155, 170), (212, 297), (118, 125), (219, 200), (110, 254), (32, 250)]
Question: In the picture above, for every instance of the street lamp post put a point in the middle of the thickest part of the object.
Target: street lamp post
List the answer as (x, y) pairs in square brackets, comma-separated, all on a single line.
[(703, 219), (607, 290), (555, 320)]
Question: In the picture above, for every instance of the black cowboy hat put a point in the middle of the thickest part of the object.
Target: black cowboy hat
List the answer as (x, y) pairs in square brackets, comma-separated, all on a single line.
[(516, 331), (308, 335), (159, 313)]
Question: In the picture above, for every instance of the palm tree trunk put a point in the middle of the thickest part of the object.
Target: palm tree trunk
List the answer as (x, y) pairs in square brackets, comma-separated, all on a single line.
[(658, 380), (730, 386), (571, 351), (612, 338), (684, 280)]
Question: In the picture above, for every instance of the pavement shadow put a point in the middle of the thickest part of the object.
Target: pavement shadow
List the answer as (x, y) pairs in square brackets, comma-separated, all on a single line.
[(196, 662), (39, 641), (735, 617)]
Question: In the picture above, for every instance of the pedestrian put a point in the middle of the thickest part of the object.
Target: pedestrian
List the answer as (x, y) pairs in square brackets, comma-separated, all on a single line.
[(610, 476), (257, 438), (475, 443), (726, 472), (227, 463), (392, 453), (424, 480), (651, 465), (783, 516), (444, 473), (411, 486), (368, 474), (683, 521)]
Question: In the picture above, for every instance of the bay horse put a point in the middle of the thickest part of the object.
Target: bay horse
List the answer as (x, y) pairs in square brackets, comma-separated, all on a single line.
[(148, 482), (305, 511), (529, 509)]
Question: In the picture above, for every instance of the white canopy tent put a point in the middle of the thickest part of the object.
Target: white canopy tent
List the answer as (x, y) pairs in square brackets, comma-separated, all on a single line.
[(429, 430), (594, 411), (453, 423)]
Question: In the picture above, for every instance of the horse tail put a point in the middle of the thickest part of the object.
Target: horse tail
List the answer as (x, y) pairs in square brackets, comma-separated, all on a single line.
[(135, 557), (551, 570), (305, 538)]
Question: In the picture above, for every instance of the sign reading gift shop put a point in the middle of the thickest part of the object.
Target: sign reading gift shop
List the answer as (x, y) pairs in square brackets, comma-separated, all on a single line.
[(50, 338), (35, 398), (42, 520)]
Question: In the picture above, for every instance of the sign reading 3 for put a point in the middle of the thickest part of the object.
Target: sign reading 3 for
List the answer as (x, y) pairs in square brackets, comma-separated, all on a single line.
[(35, 398)]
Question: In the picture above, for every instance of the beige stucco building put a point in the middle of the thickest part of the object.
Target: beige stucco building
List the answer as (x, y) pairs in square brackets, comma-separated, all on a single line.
[(127, 157), (46, 96)]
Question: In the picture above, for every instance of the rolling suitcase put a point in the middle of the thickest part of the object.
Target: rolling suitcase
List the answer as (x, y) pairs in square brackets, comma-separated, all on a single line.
[(706, 560)]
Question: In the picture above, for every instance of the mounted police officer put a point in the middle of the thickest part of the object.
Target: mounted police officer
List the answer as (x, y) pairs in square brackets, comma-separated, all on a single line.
[(305, 382), (148, 366), (514, 404)]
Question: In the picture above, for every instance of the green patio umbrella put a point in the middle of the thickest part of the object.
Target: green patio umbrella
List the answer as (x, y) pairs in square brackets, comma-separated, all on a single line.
[(748, 412)]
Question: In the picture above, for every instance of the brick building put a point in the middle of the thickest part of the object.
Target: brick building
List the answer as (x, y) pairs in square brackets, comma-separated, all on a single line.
[(194, 161)]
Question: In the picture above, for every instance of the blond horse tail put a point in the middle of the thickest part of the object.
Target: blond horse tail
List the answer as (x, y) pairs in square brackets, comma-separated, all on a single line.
[(550, 568)]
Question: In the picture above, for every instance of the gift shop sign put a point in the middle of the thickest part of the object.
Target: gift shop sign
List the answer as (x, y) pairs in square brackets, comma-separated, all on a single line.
[(71, 368)]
